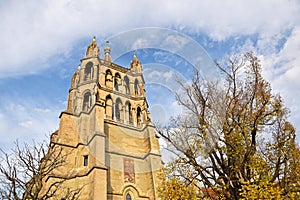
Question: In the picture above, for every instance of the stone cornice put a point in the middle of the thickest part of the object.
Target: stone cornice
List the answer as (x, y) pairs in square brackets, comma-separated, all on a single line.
[(113, 66), (129, 96), (132, 156), (77, 175), (140, 129), (80, 143)]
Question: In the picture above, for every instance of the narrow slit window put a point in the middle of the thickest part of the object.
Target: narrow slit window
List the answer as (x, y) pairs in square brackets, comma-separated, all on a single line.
[(85, 160)]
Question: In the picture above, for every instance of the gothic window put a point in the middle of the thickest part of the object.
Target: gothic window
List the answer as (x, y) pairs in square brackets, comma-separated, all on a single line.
[(128, 113), (108, 107), (128, 197), (108, 79), (87, 101), (127, 86), (117, 81), (138, 116), (118, 110), (88, 71), (137, 91)]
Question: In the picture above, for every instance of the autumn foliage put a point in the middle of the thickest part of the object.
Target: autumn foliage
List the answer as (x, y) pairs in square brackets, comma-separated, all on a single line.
[(234, 136)]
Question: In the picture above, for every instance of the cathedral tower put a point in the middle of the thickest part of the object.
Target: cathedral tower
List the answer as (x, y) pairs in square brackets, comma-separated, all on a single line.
[(113, 149)]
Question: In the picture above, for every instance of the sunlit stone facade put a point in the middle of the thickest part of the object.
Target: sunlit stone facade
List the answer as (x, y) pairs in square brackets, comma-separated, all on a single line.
[(112, 147)]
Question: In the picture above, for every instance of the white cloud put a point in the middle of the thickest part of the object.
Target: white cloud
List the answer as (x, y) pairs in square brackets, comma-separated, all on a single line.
[(163, 75), (176, 109), (282, 69), (24, 122), (139, 43), (175, 42), (161, 57), (166, 76), (33, 31), (159, 114), (42, 110)]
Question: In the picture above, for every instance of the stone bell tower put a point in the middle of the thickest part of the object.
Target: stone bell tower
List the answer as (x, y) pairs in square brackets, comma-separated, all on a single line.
[(113, 147)]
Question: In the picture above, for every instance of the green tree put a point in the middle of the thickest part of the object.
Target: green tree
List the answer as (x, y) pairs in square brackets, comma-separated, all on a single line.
[(234, 136)]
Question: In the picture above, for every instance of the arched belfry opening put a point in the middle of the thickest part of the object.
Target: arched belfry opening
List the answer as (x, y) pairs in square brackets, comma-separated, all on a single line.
[(128, 113), (87, 101), (137, 90), (118, 110), (138, 116), (117, 81), (126, 85), (88, 71), (108, 107), (108, 79)]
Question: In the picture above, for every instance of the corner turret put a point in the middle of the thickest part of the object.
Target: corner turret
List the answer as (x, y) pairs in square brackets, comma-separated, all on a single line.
[(93, 49), (135, 64)]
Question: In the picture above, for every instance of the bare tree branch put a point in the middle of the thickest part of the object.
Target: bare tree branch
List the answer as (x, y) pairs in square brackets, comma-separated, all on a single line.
[(23, 170)]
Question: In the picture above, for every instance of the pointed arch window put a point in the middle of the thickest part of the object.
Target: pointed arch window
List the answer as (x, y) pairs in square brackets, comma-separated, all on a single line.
[(126, 85), (88, 71), (117, 81), (108, 107), (87, 101), (137, 91)]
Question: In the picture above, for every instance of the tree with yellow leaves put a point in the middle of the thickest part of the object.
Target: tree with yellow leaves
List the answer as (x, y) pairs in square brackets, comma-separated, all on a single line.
[(173, 187), (235, 137)]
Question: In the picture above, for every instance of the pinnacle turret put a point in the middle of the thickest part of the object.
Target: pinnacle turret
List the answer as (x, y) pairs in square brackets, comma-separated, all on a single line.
[(107, 52), (93, 49)]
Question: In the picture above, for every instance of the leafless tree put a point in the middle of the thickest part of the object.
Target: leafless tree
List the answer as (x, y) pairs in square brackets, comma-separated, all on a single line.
[(233, 133), (24, 169)]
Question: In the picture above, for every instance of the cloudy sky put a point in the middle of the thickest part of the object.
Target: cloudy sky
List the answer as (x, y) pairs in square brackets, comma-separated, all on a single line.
[(42, 42)]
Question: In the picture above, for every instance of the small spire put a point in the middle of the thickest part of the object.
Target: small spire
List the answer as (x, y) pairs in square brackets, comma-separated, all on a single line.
[(135, 59), (135, 63), (94, 42), (107, 48), (107, 52), (79, 67)]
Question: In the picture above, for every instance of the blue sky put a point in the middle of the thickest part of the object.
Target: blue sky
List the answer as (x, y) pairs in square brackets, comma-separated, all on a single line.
[(42, 42)]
